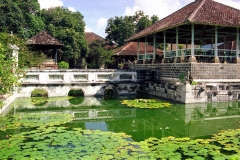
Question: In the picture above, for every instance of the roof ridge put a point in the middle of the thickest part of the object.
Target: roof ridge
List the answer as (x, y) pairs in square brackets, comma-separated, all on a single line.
[(126, 45), (96, 35), (119, 48), (196, 10)]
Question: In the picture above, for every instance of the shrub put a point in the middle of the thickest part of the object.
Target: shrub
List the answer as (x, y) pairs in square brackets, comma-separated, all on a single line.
[(194, 83), (63, 65)]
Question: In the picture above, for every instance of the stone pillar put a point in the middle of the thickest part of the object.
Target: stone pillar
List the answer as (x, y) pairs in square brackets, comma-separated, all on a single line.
[(237, 46), (15, 53), (216, 59), (154, 49), (176, 58), (145, 49), (192, 58), (138, 48), (164, 47)]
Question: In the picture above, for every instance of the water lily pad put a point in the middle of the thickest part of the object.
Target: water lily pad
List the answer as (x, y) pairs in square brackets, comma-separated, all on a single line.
[(146, 103)]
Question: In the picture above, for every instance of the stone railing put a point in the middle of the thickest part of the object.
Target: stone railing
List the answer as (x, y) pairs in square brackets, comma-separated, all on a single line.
[(78, 76)]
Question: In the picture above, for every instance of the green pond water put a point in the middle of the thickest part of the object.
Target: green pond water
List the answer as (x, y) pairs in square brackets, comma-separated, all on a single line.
[(97, 128), (178, 120)]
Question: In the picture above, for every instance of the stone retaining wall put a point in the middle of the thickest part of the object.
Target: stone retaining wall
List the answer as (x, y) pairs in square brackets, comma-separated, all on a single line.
[(197, 70)]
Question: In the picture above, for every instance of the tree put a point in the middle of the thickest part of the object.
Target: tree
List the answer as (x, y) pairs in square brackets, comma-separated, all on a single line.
[(154, 19), (10, 70), (22, 17), (98, 55), (68, 27), (119, 29), (161, 46), (143, 23)]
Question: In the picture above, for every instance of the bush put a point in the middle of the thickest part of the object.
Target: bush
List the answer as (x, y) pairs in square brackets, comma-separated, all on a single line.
[(63, 65), (194, 83)]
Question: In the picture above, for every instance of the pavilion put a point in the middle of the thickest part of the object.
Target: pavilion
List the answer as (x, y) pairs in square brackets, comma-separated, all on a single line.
[(45, 43), (132, 50), (200, 23)]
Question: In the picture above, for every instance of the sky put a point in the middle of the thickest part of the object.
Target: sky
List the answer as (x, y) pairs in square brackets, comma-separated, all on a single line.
[(97, 12)]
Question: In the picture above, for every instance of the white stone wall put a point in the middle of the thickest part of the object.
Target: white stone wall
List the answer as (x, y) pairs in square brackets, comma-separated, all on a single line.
[(91, 82), (77, 76)]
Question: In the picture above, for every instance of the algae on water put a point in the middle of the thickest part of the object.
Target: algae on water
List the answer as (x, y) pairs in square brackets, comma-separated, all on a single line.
[(146, 103)]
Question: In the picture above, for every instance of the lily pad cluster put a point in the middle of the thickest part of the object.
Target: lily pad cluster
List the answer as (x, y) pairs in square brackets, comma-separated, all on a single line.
[(59, 143), (222, 146), (146, 103), (38, 101), (43, 100), (33, 120)]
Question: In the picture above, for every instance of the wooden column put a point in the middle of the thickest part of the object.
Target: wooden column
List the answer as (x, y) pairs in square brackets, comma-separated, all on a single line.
[(176, 57), (145, 49), (154, 46), (216, 59), (192, 58), (237, 43), (177, 42), (216, 38), (164, 46), (192, 43), (138, 48), (164, 43)]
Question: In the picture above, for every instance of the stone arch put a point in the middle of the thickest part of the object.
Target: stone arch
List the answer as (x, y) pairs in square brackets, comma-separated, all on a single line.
[(109, 91), (46, 94), (75, 91)]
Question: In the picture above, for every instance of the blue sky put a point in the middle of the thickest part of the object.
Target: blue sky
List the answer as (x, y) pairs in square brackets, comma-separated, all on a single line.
[(97, 12)]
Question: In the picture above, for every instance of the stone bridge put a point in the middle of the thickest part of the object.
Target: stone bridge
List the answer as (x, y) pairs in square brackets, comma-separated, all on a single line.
[(91, 82)]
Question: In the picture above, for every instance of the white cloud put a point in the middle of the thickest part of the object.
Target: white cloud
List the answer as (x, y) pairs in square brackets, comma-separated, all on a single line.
[(102, 22), (87, 29), (50, 3), (72, 9), (101, 25), (163, 8), (131, 11), (232, 3)]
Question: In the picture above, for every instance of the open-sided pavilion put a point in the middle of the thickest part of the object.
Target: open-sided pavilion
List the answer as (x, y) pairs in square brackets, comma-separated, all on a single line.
[(204, 24)]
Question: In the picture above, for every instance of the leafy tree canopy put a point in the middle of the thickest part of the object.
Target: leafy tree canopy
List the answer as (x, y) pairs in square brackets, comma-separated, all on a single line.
[(68, 27), (22, 17), (119, 29), (98, 55), (10, 71)]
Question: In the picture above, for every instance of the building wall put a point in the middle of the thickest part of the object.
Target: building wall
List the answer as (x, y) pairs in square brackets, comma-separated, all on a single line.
[(214, 82)]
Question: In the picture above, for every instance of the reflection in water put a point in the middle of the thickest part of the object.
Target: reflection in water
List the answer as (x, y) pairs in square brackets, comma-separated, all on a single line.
[(179, 120), (76, 100)]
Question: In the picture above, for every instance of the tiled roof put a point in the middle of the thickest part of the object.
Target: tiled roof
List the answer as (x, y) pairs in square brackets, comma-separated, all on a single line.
[(90, 37), (131, 48), (43, 38), (206, 12)]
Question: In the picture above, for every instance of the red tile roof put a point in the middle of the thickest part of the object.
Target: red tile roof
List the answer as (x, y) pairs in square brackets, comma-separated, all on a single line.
[(90, 37), (206, 12), (131, 48), (43, 38)]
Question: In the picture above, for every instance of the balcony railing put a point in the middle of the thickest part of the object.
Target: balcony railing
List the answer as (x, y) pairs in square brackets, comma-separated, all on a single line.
[(146, 56), (201, 52)]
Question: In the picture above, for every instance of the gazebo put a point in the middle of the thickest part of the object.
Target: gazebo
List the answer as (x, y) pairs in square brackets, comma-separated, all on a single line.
[(47, 44), (201, 23), (132, 50)]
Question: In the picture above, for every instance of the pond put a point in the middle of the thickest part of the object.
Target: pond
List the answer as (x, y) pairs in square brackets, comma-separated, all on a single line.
[(196, 121)]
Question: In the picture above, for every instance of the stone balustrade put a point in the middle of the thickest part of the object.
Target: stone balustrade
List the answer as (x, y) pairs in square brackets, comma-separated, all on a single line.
[(78, 76)]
